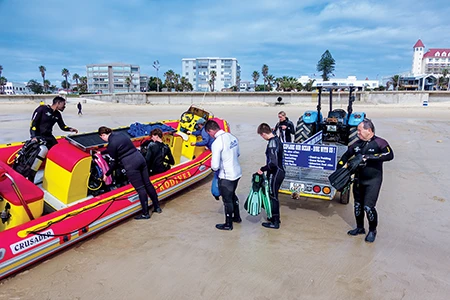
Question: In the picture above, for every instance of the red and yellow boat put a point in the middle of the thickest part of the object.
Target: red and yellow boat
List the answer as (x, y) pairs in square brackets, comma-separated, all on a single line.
[(41, 219)]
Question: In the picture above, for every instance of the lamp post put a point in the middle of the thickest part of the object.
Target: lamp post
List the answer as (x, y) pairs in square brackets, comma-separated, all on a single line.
[(156, 66)]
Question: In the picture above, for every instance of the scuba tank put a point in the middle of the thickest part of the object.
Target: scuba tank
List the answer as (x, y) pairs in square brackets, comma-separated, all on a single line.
[(43, 150), (30, 158)]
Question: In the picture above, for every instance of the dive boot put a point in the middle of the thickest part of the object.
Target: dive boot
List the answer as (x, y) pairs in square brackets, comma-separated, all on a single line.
[(228, 224), (157, 210), (274, 223), (370, 237), (356, 231), (142, 217), (237, 219)]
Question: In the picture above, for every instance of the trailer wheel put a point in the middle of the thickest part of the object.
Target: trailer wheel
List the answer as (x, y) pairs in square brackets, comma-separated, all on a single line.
[(352, 135), (344, 197), (303, 131)]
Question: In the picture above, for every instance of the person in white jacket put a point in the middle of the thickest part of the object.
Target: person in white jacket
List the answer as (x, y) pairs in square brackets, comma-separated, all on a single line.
[(225, 160)]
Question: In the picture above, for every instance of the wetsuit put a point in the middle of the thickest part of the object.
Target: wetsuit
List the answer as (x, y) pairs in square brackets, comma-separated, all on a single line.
[(79, 106), (207, 140), (285, 134), (225, 153), (42, 121), (120, 148), (368, 177), (159, 158), (275, 173)]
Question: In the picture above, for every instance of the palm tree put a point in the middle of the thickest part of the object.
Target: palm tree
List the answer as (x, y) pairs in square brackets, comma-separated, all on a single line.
[(128, 82), (270, 79), (264, 72), (65, 73), (255, 76), (395, 81), (3, 82), (326, 65), (169, 79), (76, 77), (83, 84), (1, 70), (42, 69), (444, 75), (212, 80), (238, 83), (46, 85)]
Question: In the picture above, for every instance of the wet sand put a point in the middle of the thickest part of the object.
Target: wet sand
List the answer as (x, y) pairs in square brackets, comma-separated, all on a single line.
[(180, 255)]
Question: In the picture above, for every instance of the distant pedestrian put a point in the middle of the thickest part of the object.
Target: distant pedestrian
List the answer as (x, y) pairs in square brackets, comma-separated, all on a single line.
[(80, 107), (284, 128)]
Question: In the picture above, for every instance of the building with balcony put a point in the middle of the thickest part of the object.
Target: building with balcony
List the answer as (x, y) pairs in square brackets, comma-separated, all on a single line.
[(198, 72), (432, 62), (16, 88), (112, 78)]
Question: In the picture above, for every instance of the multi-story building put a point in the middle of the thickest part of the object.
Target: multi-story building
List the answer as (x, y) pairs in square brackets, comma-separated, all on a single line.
[(112, 78), (433, 62), (143, 83), (198, 72), (16, 88), (339, 82)]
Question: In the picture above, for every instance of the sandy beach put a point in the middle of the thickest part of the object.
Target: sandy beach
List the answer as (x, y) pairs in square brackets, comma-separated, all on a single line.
[(179, 254)]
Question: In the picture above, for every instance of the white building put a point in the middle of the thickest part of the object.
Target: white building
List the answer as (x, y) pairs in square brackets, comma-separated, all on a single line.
[(111, 78), (431, 62), (16, 88), (198, 72), (349, 81)]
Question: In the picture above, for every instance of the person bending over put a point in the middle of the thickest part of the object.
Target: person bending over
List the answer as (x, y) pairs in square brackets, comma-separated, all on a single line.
[(159, 157)]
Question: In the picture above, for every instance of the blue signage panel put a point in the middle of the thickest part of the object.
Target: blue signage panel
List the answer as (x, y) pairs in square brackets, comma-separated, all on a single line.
[(310, 156)]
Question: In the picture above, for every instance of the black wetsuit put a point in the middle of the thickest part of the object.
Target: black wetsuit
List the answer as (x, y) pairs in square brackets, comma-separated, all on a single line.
[(121, 148), (368, 177), (285, 134), (159, 158), (275, 173), (42, 121)]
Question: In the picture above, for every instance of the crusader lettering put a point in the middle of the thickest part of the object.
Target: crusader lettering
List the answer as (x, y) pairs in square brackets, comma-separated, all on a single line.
[(31, 241)]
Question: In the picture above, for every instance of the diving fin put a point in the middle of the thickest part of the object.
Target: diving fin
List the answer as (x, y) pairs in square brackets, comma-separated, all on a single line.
[(340, 179), (253, 203), (266, 202)]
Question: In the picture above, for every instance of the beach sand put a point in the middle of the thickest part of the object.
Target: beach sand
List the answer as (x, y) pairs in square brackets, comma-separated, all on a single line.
[(179, 254)]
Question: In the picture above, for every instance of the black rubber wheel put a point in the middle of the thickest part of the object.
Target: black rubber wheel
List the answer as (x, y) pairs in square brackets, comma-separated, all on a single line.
[(303, 131), (352, 135), (344, 197)]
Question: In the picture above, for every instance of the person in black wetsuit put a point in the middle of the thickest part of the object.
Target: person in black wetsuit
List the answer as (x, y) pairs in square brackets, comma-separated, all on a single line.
[(372, 151), (159, 157), (121, 148), (275, 171), (43, 119), (284, 128)]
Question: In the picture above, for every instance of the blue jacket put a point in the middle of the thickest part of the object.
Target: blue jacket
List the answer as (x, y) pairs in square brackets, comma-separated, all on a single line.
[(207, 140)]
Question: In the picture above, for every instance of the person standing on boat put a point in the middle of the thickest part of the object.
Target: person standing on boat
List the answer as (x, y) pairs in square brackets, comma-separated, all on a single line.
[(275, 171), (225, 160), (284, 128), (45, 117), (120, 148)]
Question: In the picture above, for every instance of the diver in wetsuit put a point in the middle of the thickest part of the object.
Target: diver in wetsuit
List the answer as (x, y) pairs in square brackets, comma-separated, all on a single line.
[(275, 171), (121, 148), (43, 119), (372, 151), (284, 128), (159, 158)]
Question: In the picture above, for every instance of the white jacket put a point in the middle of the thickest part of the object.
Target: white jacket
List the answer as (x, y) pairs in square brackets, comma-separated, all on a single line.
[(225, 153)]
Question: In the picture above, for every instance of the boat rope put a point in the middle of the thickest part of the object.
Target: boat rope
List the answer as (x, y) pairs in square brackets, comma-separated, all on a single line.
[(111, 200)]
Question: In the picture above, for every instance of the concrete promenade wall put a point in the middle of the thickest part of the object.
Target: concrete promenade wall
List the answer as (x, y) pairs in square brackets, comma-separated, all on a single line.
[(390, 97)]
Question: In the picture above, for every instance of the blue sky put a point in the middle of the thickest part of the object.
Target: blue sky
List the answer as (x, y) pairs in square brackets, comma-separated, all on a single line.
[(366, 38)]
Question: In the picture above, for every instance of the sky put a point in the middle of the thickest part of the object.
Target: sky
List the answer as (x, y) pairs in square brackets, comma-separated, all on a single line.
[(367, 39)]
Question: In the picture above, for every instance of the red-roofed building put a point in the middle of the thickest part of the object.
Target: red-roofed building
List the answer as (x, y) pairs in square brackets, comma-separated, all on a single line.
[(434, 61)]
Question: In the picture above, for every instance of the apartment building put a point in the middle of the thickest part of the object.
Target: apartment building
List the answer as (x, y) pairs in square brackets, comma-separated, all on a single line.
[(198, 72), (112, 78)]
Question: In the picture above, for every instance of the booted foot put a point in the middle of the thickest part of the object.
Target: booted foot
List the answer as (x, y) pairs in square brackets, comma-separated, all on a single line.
[(158, 210), (224, 226), (356, 231), (271, 220), (370, 237), (142, 217), (271, 225), (237, 219)]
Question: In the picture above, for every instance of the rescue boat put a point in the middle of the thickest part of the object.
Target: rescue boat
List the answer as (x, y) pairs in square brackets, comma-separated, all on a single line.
[(68, 205)]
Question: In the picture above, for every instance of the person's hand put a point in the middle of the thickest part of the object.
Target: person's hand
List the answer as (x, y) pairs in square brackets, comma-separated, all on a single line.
[(283, 127), (104, 178), (34, 139), (260, 172), (192, 144), (74, 130)]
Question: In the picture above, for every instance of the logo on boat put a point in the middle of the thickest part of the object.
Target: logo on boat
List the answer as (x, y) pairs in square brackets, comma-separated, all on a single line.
[(31, 241)]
